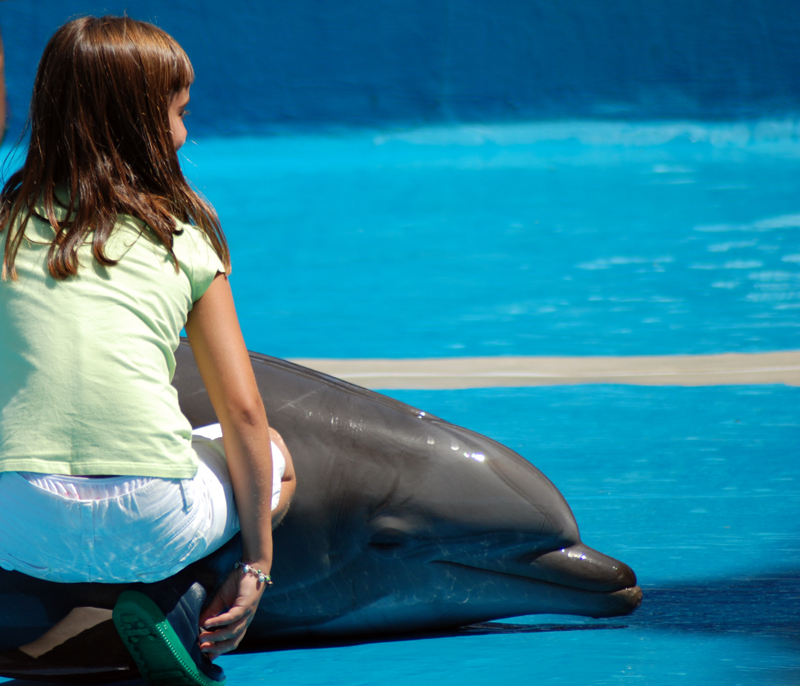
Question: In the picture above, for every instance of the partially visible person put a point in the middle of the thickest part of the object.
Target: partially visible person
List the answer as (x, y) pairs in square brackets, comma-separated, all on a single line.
[(108, 254)]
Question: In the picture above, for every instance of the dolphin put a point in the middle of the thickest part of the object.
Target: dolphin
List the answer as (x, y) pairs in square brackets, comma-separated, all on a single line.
[(401, 523)]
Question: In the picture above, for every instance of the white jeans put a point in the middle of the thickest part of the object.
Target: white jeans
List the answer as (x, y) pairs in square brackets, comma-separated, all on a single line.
[(119, 529)]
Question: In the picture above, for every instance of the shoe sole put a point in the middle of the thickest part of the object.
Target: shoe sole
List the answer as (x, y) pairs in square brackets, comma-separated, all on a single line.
[(154, 645)]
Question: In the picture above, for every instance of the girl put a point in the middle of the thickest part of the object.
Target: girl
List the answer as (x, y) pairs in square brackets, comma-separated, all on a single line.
[(108, 254)]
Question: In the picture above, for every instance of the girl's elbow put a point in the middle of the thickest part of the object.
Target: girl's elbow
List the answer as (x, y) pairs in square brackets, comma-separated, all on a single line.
[(247, 413)]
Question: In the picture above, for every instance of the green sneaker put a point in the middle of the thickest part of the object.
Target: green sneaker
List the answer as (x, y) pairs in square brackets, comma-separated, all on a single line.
[(160, 655)]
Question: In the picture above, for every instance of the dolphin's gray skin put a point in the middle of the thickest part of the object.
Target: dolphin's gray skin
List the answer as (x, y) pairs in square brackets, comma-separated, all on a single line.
[(401, 523)]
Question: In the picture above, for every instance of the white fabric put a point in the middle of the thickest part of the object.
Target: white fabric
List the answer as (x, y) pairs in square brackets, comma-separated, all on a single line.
[(213, 432), (98, 489), (120, 529)]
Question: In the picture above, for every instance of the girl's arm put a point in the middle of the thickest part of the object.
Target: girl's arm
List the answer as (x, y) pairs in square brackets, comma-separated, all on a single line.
[(221, 355)]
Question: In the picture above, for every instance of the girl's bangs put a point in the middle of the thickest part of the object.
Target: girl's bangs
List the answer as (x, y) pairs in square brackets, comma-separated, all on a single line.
[(182, 68), (162, 56)]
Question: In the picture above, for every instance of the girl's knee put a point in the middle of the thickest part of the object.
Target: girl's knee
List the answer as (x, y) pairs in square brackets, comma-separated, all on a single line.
[(288, 481), (277, 439)]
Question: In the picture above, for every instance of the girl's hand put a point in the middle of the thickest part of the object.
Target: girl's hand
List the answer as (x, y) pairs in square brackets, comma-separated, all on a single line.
[(224, 622)]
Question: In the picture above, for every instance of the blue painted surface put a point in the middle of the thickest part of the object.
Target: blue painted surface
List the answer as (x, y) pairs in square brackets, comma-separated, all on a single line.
[(266, 65), (698, 489)]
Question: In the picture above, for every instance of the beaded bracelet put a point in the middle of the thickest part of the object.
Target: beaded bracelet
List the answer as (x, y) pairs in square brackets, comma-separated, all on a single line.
[(247, 569)]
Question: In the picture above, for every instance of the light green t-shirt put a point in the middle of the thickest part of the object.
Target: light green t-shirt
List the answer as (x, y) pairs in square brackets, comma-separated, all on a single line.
[(86, 362)]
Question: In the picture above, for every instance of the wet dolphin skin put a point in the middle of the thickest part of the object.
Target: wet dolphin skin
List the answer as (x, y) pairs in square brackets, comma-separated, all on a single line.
[(404, 522)]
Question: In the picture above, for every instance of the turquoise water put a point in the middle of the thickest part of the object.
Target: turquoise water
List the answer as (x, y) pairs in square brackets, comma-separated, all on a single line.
[(562, 239), (569, 239)]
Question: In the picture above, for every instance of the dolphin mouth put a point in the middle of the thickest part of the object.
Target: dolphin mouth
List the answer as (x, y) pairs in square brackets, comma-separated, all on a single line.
[(579, 566), (607, 584)]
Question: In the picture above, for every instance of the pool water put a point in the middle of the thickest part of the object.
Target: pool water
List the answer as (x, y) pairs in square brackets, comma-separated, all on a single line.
[(568, 239), (560, 239)]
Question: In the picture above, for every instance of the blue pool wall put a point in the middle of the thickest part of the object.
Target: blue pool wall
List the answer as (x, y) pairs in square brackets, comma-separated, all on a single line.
[(265, 66)]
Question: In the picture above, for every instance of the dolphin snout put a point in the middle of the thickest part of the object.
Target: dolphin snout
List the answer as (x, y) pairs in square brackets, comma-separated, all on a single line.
[(579, 566)]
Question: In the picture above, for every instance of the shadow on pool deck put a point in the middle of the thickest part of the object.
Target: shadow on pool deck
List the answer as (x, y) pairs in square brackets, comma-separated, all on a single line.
[(765, 605)]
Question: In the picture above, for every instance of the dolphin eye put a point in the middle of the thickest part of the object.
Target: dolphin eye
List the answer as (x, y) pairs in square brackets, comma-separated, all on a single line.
[(393, 536), (390, 542), (387, 540)]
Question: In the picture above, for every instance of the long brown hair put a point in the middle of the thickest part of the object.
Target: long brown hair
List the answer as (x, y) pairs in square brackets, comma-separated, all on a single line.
[(99, 123)]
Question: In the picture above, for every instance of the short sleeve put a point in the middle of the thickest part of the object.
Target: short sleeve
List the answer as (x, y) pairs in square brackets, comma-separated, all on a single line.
[(197, 258)]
